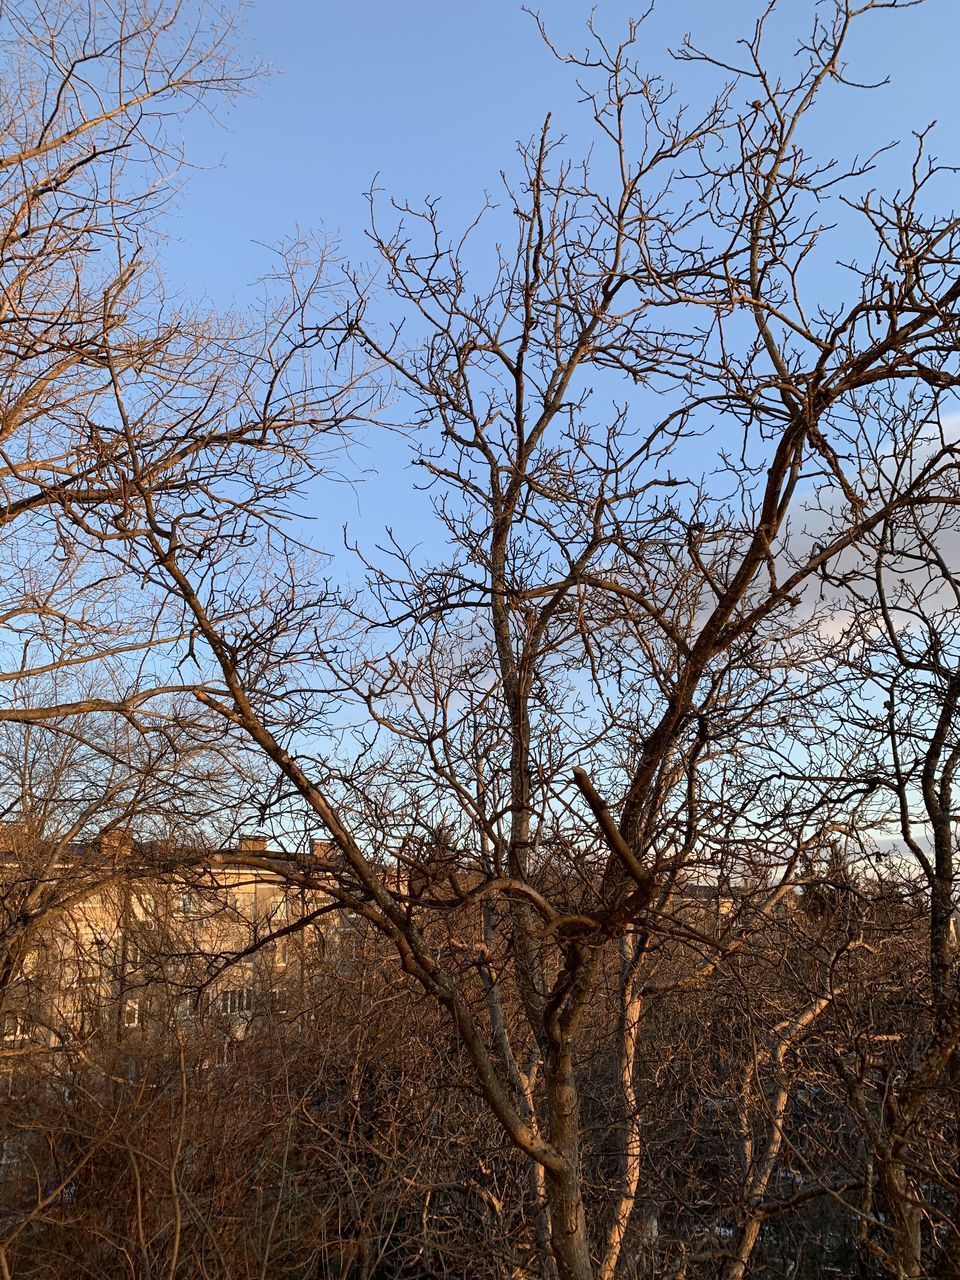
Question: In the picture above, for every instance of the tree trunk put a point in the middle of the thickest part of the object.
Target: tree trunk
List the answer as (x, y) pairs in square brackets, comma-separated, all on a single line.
[(568, 1223), (624, 1202), (904, 1254), (568, 1227)]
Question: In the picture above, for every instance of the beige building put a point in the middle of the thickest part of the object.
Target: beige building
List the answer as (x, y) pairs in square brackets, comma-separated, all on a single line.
[(115, 942)]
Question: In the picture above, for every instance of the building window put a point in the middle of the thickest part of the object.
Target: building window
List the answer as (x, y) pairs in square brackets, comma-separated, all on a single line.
[(144, 906), (186, 1007), (186, 904), (237, 1000), (131, 1011), (226, 1054), (245, 904), (12, 1152), (13, 1029)]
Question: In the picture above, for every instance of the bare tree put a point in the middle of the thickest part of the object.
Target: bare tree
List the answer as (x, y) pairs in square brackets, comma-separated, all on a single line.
[(646, 435), (575, 763)]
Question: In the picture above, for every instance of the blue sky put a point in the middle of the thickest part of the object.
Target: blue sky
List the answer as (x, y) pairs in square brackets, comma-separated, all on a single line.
[(431, 96)]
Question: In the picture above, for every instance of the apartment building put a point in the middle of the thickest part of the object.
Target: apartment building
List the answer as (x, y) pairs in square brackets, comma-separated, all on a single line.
[(119, 941)]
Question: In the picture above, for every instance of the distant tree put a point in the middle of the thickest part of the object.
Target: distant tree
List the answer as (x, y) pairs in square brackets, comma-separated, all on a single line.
[(896, 660), (120, 406), (647, 435)]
